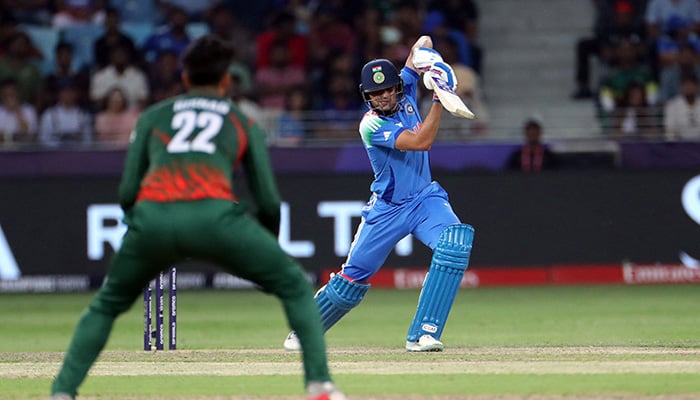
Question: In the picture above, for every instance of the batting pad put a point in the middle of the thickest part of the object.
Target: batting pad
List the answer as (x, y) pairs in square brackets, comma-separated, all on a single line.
[(337, 298), (450, 260)]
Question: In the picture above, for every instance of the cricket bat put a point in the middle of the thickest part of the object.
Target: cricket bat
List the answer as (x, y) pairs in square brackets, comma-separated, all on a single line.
[(448, 98)]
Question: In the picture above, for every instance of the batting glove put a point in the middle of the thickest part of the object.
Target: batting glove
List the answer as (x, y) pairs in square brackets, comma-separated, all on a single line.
[(443, 73), (424, 58)]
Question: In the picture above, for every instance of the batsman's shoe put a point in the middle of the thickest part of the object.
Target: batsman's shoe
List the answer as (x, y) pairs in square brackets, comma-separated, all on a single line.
[(323, 391), (425, 343), (291, 343), (61, 396)]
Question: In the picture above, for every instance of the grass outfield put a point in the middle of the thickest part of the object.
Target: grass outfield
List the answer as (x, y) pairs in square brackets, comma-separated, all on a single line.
[(579, 342)]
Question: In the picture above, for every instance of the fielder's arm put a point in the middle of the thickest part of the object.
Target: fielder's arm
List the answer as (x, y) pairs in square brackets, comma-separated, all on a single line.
[(261, 179), (136, 163)]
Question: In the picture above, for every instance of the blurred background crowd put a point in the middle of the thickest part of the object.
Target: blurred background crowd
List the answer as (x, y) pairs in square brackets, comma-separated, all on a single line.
[(646, 53), (79, 72)]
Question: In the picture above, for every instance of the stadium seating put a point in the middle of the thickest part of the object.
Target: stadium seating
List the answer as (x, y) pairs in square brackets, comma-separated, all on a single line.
[(136, 11), (197, 29), (138, 31), (82, 37), (45, 39)]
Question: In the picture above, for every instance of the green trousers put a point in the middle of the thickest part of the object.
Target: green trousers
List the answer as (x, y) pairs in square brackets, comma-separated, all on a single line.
[(215, 231)]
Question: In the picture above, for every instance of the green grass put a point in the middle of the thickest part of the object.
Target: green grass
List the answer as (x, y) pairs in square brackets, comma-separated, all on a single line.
[(531, 316), (646, 384), (666, 317)]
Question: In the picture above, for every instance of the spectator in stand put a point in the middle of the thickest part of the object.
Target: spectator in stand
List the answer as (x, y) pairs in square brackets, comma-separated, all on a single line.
[(18, 120), (682, 113), (339, 62), (276, 79), (77, 12), (282, 30), (172, 37), (434, 25), (164, 78), (16, 63), (64, 71), (195, 9), (241, 71), (617, 19), (9, 26), (113, 37), (116, 120), (659, 12), (532, 155), (677, 33), (634, 118), (293, 124), (369, 27), (239, 95), (342, 107), (629, 68), (223, 22), (686, 64), (656, 18), (65, 123), (463, 16), (33, 12), (120, 73), (329, 34), (407, 19), (331, 39)]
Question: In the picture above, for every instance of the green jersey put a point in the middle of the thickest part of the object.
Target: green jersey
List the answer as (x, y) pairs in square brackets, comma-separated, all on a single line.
[(187, 147)]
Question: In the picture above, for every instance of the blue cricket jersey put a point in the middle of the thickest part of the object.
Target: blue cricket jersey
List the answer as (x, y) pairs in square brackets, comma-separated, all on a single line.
[(398, 175)]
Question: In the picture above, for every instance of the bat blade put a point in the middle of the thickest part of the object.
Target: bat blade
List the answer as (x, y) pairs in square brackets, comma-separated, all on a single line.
[(450, 100)]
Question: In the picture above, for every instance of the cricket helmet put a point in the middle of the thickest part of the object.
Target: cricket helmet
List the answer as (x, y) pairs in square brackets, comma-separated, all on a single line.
[(380, 74)]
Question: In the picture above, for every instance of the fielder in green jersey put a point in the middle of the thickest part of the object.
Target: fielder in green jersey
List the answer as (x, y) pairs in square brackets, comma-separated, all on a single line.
[(178, 199)]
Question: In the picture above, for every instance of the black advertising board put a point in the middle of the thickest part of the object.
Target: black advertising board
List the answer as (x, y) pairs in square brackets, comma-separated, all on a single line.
[(68, 226)]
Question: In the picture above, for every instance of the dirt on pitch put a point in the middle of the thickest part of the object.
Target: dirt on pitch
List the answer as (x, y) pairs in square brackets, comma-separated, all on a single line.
[(346, 361)]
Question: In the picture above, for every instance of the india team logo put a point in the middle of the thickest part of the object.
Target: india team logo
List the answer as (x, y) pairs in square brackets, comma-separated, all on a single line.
[(377, 74)]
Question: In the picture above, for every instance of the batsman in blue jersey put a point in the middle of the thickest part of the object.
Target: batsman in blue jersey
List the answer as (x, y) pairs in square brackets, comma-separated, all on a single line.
[(405, 200)]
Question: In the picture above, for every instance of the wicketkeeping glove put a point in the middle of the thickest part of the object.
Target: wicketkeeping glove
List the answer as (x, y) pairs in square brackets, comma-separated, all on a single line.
[(424, 58)]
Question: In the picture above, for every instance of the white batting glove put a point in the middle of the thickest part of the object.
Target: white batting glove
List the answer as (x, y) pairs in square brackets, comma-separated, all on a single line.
[(424, 58), (442, 72)]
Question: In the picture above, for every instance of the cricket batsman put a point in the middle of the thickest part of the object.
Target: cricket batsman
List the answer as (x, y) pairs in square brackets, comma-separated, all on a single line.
[(404, 200), (178, 199)]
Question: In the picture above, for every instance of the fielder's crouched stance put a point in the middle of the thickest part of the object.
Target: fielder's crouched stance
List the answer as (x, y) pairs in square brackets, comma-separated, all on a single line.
[(404, 201)]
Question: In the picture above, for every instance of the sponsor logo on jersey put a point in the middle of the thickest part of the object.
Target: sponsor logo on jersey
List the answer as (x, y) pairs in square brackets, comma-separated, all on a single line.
[(409, 109)]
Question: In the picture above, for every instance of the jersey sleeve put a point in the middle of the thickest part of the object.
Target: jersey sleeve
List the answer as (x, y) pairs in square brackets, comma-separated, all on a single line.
[(261, 179), (410, 82), (136, 164), (378, 131)]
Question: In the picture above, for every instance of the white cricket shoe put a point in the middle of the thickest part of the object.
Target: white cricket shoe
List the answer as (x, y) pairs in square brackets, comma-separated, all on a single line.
[(323, 391), (425, 343), (291, 343), (61, 396)]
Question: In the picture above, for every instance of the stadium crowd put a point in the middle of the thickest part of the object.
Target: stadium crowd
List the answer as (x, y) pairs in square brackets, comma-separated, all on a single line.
[(647, 54), (77, 73)]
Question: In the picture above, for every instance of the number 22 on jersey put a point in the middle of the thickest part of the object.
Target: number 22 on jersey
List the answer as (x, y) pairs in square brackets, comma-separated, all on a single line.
[(195, 131)]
